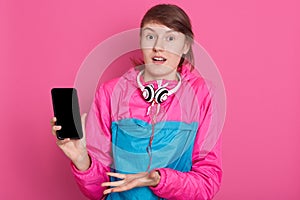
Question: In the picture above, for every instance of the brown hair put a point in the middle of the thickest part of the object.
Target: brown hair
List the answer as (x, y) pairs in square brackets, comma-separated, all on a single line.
[(175, 18)]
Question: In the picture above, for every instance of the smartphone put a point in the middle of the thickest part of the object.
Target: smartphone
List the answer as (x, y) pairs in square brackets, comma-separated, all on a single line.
[(66, 110)]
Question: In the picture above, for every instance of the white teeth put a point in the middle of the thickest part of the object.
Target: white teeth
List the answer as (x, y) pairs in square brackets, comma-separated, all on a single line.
[(158, 59)]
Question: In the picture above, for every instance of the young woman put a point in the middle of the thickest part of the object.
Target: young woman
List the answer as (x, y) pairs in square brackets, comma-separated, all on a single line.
[(145, 132)]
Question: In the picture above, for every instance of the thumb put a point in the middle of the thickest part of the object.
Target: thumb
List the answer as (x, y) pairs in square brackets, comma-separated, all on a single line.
[(152, 174), (83, 122), (83, 119), (155, 176)]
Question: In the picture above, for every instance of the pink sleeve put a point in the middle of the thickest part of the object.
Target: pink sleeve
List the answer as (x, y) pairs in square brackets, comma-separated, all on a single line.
[(89, 181), (98, 138), (204, 179)]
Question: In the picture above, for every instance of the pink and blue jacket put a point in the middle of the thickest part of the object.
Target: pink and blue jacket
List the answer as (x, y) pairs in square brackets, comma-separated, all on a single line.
[(185, 148)]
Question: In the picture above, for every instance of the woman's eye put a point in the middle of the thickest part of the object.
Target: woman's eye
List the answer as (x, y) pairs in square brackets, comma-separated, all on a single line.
[(150, 37), (170, 38)]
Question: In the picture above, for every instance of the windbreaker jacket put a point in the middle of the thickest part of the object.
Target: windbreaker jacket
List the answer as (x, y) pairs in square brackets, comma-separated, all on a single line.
[(185, 147)]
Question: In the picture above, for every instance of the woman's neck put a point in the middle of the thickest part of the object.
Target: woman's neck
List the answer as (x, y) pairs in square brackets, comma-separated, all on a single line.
[(151, 77)]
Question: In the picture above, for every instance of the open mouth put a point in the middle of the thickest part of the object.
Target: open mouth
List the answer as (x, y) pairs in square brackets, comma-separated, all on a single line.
[(159, 59)]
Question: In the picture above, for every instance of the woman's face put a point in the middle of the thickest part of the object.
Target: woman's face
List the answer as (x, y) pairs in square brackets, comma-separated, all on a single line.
[(162, 50)]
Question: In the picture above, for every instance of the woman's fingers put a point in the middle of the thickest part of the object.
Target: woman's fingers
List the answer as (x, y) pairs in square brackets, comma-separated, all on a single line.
[(54, 129), (113, 184), (120, 186), (117, 175), (128, 186), (62, 142), (57, 127), (52, 121), (130, 181), (107, 191)]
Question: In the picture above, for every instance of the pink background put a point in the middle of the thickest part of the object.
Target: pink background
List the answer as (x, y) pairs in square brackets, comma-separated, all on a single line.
[(254, 44)]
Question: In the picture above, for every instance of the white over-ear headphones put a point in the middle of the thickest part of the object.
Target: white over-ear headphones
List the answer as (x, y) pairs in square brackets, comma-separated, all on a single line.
[(161, 94)]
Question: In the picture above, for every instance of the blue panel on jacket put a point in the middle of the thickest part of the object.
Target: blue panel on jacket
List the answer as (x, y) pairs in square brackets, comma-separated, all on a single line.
[(171, 148)]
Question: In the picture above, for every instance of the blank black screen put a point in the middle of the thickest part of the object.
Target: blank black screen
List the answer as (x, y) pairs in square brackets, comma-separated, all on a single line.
[(66, 111)]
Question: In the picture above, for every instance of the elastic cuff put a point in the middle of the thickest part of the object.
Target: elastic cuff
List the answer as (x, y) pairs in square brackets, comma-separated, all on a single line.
[(78, 172)]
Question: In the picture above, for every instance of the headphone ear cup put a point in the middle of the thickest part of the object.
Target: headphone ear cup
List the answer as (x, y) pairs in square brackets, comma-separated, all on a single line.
[(148, 93), (161, 95)]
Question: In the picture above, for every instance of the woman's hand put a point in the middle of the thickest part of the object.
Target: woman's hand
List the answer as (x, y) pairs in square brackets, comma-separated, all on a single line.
[(75, 150), (130, 181)]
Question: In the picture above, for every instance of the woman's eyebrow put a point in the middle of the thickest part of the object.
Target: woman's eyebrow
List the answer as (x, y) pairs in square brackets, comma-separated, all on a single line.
[(147, 28), (150, 29)]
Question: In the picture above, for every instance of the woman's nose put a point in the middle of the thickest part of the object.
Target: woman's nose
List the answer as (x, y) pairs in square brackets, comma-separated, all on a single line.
[(158, 45)]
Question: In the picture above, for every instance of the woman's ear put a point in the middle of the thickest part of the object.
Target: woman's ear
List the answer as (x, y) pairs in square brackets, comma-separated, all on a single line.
[(186, 47)]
